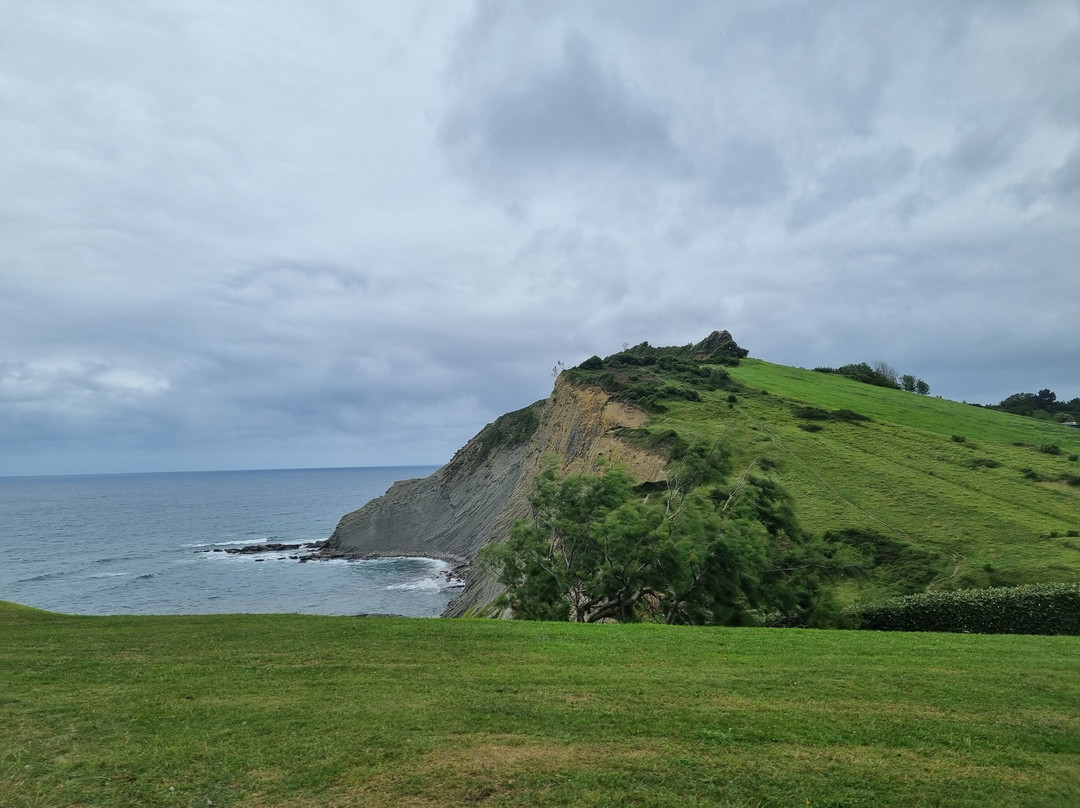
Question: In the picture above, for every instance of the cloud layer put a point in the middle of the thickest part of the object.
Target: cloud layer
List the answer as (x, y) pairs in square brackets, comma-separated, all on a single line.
[(258, 235)]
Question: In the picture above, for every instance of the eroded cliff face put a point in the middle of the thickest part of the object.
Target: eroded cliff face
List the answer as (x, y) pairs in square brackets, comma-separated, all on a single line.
[(477, 496)]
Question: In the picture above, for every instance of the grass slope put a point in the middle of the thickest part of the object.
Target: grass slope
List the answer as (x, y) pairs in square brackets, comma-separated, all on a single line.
[(993, 508), (286, 710)]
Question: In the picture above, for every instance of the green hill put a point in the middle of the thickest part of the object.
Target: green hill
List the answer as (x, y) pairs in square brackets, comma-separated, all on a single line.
[(944, 495)]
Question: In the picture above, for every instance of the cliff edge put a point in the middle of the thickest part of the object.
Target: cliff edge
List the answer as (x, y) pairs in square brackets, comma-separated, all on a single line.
[(477, 496)]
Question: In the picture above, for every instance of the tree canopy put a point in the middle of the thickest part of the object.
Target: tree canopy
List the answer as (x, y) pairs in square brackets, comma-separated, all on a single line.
[(690, 550)]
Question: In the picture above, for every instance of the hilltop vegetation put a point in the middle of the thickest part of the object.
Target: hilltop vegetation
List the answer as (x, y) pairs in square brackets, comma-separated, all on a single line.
[(881, 374), (935, 494), (1044, 405)]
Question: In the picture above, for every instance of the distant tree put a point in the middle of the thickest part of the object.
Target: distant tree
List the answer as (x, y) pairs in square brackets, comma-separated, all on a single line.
[(887, 372), (1037, 405), (1045, 399), (1020, 403), (908, 382), (922, 388)]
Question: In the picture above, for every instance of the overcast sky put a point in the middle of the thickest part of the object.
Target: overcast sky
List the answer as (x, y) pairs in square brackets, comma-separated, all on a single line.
[(274, 234)]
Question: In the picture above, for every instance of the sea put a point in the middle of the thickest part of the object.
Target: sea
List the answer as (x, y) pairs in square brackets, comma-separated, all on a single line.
[(154, 544)]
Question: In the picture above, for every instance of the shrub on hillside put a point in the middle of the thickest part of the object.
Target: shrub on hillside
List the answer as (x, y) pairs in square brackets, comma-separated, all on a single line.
[(849, 415), (811, 413), (1032, 609), (893, 562), (818, 414), (982, 463)]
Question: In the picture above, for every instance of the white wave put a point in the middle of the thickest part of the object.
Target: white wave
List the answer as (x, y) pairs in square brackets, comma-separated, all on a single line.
[(423, 585), (241, 542)]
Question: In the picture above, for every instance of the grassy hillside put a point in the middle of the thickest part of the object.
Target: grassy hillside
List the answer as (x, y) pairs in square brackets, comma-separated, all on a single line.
[(286, 710), (948, 495)]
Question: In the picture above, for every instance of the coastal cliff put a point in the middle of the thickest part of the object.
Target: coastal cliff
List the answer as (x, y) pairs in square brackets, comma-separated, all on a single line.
[(477, 496)]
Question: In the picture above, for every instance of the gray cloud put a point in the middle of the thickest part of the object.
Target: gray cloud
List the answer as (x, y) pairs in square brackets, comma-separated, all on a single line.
[(849, 180), (241, 236), (1065, 181), (571, 115), (745, 173)]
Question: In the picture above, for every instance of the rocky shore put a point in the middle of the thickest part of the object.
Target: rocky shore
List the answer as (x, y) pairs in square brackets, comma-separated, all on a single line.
[(322, 551)]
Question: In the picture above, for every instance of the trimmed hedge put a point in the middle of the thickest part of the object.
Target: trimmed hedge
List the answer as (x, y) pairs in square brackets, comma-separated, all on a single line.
[(1031, 609)]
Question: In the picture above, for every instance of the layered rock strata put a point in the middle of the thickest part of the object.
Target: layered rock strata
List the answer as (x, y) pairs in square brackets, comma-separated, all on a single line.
[(477, 496)]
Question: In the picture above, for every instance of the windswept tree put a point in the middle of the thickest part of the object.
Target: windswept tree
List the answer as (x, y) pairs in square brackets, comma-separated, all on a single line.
[(691, 550)]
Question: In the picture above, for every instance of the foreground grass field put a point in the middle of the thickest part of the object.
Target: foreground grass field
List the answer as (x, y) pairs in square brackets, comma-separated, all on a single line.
[(318, 711)]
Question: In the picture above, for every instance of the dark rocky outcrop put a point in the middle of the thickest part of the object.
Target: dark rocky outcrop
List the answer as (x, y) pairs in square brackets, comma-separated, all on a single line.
[(718, 346), (270, 547)]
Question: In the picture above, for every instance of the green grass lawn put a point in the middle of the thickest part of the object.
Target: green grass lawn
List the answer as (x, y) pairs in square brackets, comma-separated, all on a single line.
[(281, 710)]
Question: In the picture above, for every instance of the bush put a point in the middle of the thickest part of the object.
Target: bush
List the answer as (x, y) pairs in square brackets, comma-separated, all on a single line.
[(894, 563), (720, 379), (811, 413), (810, 427), (1074, 458), (1050, 449), (849, 415), (959, 438), (818, 414), (1031, 609), (982, 463)]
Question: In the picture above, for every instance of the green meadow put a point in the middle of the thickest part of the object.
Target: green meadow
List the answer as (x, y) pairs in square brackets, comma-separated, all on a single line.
[(972, 488), (284, 710)]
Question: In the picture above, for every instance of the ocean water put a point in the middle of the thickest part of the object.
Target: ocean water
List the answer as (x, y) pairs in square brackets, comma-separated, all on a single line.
[(143, 544)]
